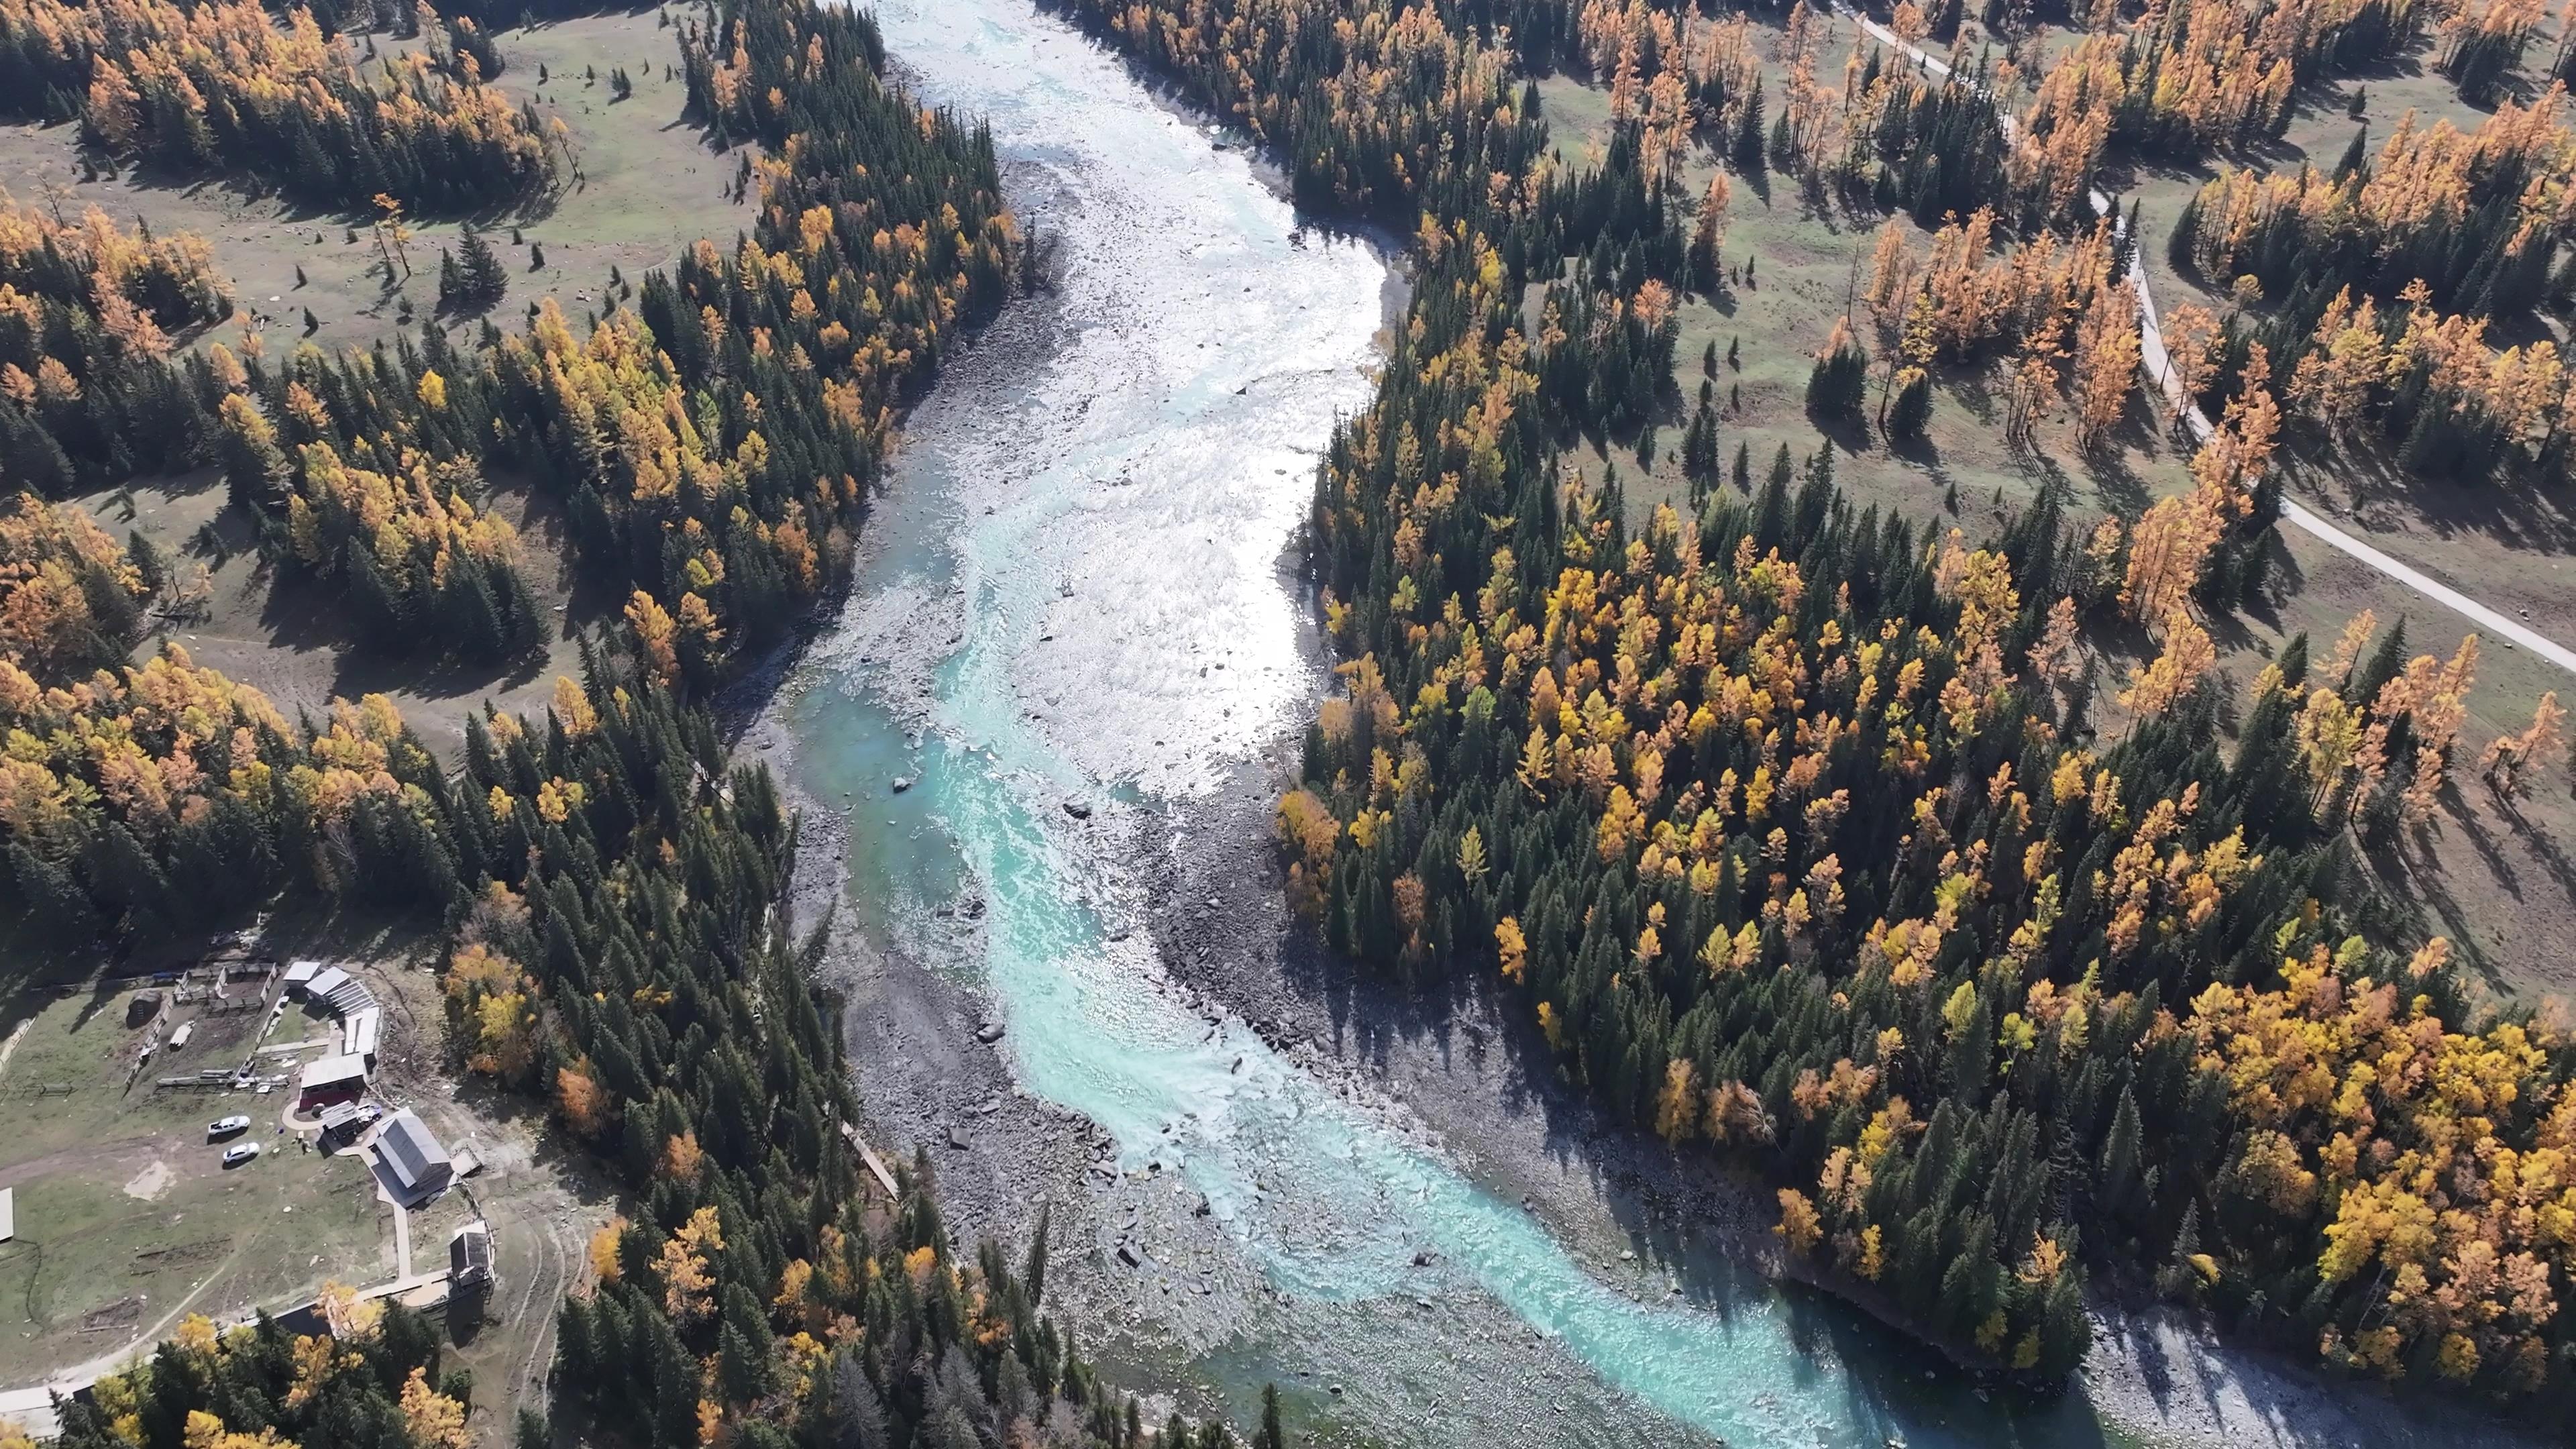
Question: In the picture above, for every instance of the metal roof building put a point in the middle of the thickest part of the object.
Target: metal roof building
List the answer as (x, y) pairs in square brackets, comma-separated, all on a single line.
[(469, 1255), (331, 1077), (361, 1031), (414, 1157)]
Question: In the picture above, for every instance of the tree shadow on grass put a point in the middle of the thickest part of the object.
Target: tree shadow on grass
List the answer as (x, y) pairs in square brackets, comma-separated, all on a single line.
[(2406, 867), (1969, 386), (361, 673), (2114, 481), (2283, 579), (2363, 482), (240, 189), (302, 615), (1920, 451)]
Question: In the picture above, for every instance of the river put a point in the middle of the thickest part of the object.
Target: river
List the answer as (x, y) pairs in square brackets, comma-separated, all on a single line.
[(1073, 643)]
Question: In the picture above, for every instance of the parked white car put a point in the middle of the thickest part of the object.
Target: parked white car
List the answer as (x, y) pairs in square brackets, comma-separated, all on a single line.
[(227, 1126), (239, 1153)]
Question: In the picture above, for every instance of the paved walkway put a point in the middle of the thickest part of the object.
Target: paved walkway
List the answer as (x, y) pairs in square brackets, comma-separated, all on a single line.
[(402, 1238), (2159, 365)]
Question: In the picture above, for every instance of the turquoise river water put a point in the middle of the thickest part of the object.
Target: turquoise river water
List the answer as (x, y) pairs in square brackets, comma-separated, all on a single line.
[(1075, 589)]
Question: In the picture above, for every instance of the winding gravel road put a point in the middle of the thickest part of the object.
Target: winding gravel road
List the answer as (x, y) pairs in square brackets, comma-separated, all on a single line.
[(2159, 366)]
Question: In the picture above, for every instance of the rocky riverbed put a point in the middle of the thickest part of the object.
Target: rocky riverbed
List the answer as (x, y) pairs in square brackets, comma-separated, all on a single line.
[(1036, 754)]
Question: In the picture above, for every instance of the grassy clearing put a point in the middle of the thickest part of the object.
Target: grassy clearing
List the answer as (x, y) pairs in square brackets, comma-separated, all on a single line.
[(126, 1217), (648, 187), (1809, 257), (125, 1213), (292, 641), (2498, 877)]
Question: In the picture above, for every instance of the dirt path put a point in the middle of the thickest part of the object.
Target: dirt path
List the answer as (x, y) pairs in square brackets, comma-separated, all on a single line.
[(123, 1155), (32, 1408), (549, 1275), (2159, 365)]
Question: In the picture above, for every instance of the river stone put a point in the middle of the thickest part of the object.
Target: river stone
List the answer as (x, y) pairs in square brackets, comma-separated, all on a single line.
[(989, 1033), (1077, 809), (902, 783)]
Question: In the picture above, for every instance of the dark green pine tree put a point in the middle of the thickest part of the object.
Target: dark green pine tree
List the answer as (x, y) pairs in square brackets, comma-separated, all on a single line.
[(486, 280), (1699, 447), (1912, 409), (58, 911), (1272, 1435)]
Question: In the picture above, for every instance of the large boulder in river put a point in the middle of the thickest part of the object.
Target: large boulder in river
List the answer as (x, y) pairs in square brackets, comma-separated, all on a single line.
[(1077, 809)]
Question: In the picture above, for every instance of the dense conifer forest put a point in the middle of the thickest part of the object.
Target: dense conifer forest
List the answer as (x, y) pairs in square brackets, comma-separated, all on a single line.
[(1800, 833), (1813, 837), (220, 89), (612, 884), (713, 445)]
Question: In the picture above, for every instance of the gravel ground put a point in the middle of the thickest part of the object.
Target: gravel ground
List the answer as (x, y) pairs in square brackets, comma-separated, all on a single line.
[(1450, 1072)]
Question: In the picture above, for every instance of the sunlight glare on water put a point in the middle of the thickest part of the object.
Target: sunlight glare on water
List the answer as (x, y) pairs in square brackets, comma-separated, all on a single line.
[(1108, 544)]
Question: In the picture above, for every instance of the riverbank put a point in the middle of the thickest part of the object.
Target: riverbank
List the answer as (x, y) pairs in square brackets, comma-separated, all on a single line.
[(1451, 1075), (1039, 752), (1682, 1224), (1158, 1281), (1455, 1077)]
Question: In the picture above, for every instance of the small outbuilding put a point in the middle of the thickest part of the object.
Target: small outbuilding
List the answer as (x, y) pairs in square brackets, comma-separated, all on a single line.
[(361, 1032), (418, 1162), (330, 1079), (469, 1256), (341, 1122), (299, 975)]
